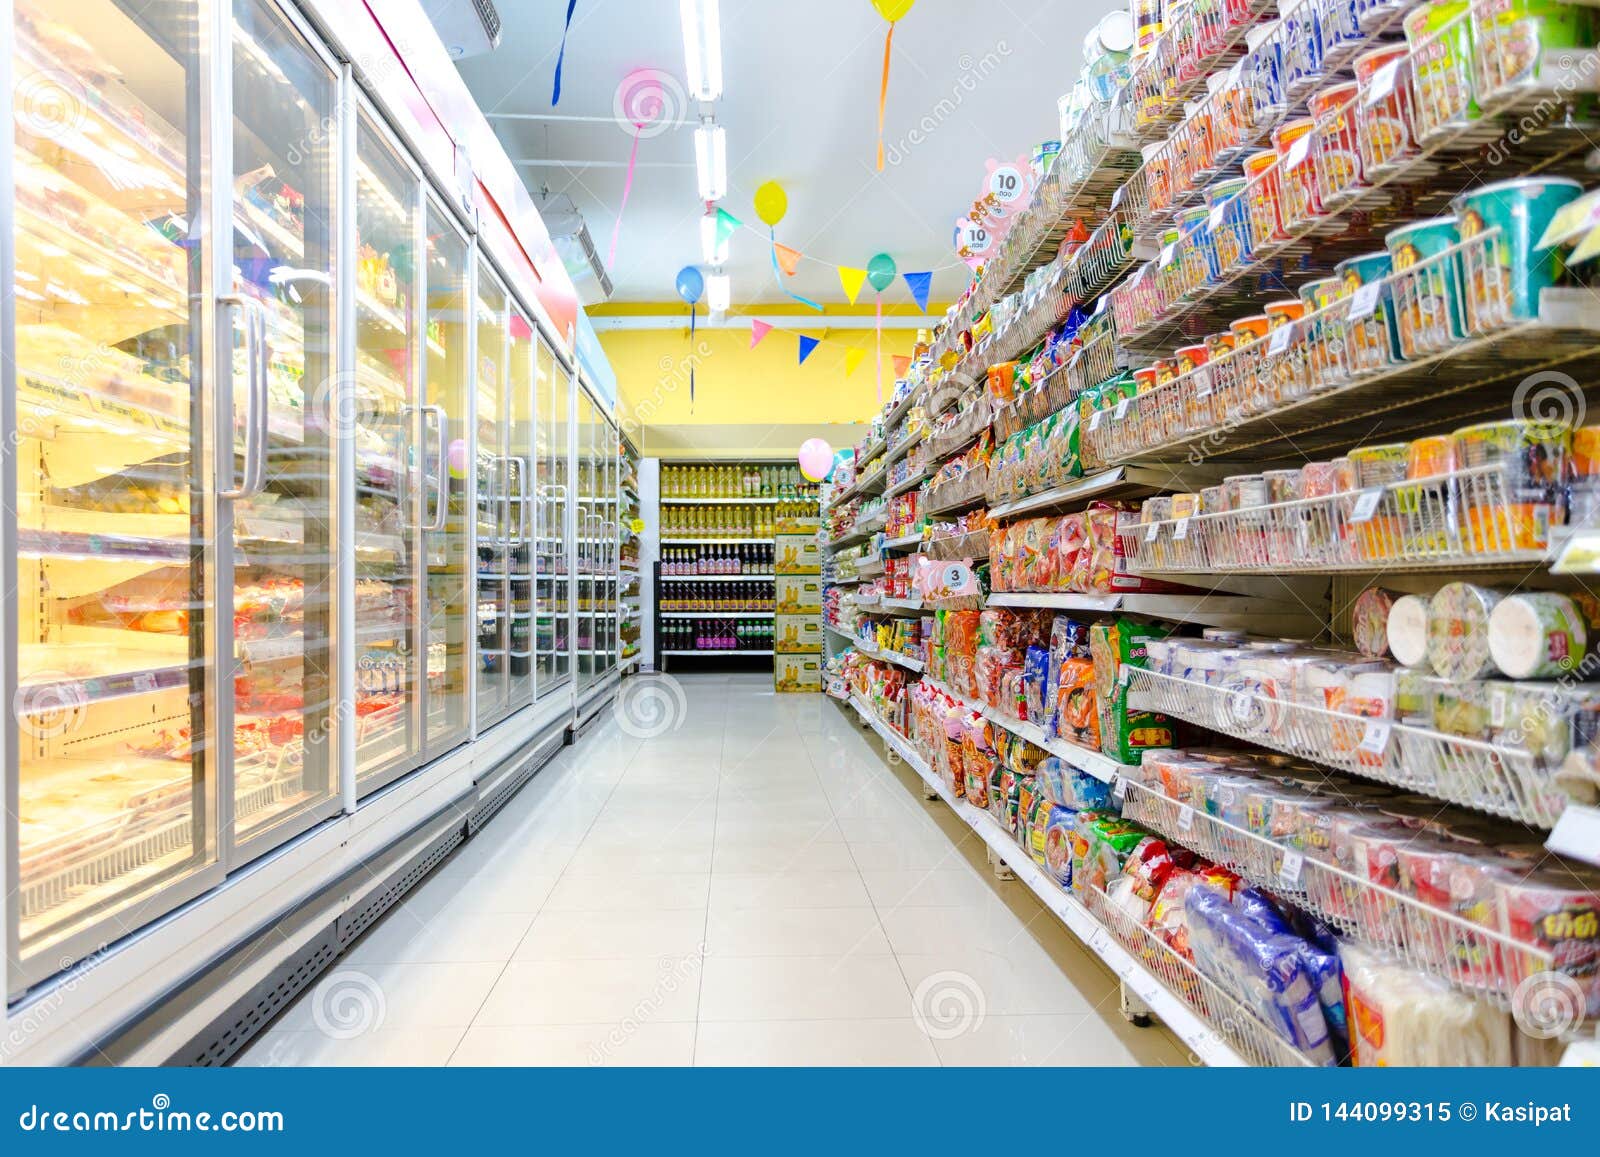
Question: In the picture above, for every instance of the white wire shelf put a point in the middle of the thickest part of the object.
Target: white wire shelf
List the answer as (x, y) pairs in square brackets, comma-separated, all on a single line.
[(1465, 518), (947, 548), (1497, 778), (1221, 1033), (1100, 766), (1477, 958), (1279, 618), (904, 542)]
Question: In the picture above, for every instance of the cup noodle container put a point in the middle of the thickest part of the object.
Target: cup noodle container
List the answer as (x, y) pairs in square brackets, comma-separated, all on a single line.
[(1536, 635), (1531, 42), (1583, 492), (1427, 306), (1373, 342), (1408, 630), (1458, 631), (1383, 109), (1505, 277), (1556, 914), (1299, 199), (1514, 509), (1439, 35), (1336, 110), (1382, 535), (1263, 198)]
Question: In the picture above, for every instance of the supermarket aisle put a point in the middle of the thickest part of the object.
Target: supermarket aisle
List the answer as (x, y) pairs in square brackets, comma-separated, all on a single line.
[(752, 886)]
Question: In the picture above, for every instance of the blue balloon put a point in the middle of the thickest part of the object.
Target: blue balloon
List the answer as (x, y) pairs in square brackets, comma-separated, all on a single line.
[(690, 284)]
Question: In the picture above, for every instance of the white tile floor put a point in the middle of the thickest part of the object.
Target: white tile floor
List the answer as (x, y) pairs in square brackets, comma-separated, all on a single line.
[(756, 886)]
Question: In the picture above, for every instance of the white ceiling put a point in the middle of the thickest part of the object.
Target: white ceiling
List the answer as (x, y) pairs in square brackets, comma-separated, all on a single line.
[(800, 106)]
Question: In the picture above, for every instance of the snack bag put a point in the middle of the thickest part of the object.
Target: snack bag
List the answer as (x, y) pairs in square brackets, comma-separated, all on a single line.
[(1060, 823), (1076, 717)]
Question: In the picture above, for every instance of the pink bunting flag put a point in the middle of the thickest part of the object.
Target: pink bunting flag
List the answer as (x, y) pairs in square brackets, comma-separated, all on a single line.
[(758, 330)]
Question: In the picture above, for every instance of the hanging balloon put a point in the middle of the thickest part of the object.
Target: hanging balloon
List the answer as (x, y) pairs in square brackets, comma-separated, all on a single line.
[(892, 11), (690, 284), (771, 203), (457, 457), (881, 270), (816, 459)]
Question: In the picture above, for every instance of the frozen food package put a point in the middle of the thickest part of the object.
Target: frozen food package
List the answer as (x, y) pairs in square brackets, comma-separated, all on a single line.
[(1406, 631), (1369, 621), (1536, 635), (1458, 631)]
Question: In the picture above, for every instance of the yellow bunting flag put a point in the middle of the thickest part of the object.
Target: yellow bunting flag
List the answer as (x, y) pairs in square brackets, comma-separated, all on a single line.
[(852, 280), (852, 360)]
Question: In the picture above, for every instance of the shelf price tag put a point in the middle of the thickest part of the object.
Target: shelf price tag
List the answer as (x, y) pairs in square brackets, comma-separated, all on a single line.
[(1151, 531), (1122, 408), (1219, 212), (1366, 505), (1094, 420), (1168, 252), (1098, 940), (1281, 337), (1185, 817), (1119, 789), (1294, 861), (1298, 152), (1382, 83), (1376, 739), (1180, 530), (1365, 301)]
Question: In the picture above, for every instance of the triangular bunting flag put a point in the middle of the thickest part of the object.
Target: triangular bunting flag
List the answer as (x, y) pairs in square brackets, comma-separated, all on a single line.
[(758, 330), (807, 344), (901, 365), (919, 284), (726, 224), (852, 280), (852, 360), (788, 259)]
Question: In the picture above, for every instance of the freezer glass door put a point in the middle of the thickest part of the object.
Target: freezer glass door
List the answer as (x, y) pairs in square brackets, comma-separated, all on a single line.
[(385, 425), (584, 643), (113, 794), (494, 511), (285, 418), (445, 516), (520, 501), (549, 555)]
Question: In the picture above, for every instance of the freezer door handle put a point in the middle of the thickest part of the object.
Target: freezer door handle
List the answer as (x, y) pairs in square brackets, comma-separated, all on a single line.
[(441, 483), (256, 401)]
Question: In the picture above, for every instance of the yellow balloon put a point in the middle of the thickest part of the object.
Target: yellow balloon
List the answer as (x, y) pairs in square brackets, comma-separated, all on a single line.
[(771, 203), (892, 10)]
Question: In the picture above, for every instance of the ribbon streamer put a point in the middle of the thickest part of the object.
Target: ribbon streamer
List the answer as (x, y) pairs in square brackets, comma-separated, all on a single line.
[(692, 312), (878, 309), (627, 187), (883, 91), (777, 274), (555, 94)]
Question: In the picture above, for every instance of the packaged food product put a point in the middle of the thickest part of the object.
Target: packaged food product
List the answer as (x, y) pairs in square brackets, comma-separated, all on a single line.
[(1408, 630), (1440, 40), (1536, 635), (1514, 510), (1429, 314), (1263, 199), (1400, 1016), (1300, 199), (1369, 621), (1458, 631), (1338, 167), (1384, 121), (1555, 912), (1505, 282), (1373, 340), (1529, 42)]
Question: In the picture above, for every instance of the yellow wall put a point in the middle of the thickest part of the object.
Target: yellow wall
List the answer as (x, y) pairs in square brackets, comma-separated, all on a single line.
[(748, 402)]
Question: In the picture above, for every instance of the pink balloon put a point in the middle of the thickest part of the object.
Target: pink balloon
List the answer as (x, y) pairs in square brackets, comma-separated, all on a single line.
[(816, 459), (456, 458)]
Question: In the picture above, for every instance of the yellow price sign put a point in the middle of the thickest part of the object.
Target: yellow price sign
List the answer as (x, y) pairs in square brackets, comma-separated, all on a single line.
[(636, 525)]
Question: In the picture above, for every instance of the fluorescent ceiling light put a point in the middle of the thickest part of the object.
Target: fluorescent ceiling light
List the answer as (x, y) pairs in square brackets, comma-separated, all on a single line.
[(712, 252), (711, 160), (719, 292), (702, 48)]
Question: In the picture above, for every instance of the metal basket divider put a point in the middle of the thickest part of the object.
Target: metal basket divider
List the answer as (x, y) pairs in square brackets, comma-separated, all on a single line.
[(1383, 155), (1472, 956), (1484, 295), (1442, 75)]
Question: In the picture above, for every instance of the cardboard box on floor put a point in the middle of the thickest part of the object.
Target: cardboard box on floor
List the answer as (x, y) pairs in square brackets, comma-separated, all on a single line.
[(797, 672)]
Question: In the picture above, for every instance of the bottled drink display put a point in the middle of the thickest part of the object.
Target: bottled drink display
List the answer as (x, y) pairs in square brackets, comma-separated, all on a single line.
[(729, 521), (744, 559), (703, 598), (738, 481), (716, 635)]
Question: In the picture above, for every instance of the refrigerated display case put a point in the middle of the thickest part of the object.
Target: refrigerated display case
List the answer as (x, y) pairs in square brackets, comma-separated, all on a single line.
[(276, 489), (596, 539), (630, 524), (553, 503)]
